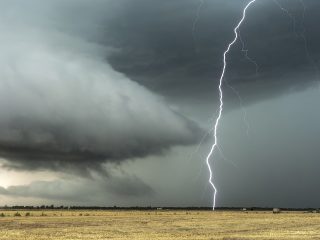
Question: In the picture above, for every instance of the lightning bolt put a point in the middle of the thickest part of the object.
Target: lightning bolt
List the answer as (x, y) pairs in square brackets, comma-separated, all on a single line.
[(196, 19), (194, 24), (246, 54), (244, 111), (302, 33), (217, 121), (293, 19), (311, 60)]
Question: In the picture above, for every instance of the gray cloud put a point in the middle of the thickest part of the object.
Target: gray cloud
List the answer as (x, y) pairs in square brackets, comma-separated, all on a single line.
[(75, 93), (162, 53), (157, 47), (82, 191), (64, 107), (98, 189)]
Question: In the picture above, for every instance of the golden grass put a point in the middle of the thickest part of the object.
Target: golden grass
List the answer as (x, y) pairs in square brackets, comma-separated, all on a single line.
[(71, 225)]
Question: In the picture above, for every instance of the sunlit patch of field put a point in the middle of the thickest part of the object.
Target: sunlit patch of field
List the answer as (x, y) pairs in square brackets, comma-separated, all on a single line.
[(70, 225)]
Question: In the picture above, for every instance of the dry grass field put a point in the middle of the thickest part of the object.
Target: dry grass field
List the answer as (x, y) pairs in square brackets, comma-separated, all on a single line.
[(71, 225)]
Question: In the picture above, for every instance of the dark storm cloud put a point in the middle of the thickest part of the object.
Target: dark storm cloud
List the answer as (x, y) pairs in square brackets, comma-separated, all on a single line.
[(63, 107), (159, 49), (96, 190), (67, 99)]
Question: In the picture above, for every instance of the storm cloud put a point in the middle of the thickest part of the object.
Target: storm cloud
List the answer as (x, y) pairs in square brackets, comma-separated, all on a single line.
[(64, 107), (179, 55), (89, 87), (96, 190)]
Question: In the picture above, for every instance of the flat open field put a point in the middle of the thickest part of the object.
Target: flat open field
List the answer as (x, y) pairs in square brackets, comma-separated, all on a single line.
[(96, 225)]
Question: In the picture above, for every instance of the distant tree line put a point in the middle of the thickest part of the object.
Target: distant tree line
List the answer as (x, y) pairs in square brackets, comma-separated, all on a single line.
[(150, 208)]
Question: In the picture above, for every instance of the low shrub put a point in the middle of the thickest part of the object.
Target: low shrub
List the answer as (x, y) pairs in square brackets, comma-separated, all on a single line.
[(17, 214)]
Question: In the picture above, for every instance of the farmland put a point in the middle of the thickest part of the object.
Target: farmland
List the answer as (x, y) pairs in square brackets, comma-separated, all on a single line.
[(228, 225)]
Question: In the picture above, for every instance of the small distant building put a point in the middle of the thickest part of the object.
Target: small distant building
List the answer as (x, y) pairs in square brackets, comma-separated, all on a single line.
[(159, 208), (244, 209), (276, 210)]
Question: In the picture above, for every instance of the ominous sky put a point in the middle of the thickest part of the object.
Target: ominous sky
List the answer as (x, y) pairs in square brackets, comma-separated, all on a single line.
[(105, 102)]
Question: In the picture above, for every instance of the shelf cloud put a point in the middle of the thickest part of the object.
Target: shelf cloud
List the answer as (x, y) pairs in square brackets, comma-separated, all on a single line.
[(63, 107)]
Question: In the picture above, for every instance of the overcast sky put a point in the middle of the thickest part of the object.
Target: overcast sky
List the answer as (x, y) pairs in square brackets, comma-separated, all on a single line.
[(105, 102)]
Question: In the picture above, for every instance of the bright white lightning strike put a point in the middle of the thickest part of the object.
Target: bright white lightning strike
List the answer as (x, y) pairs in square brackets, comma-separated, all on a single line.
[(216, 124)]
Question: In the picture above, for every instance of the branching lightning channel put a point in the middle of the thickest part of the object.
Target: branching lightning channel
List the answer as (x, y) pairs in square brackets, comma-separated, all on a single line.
[(217, 121), (195, 22), (236, 92), (246, 55), (302, 33), (194, 25)]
